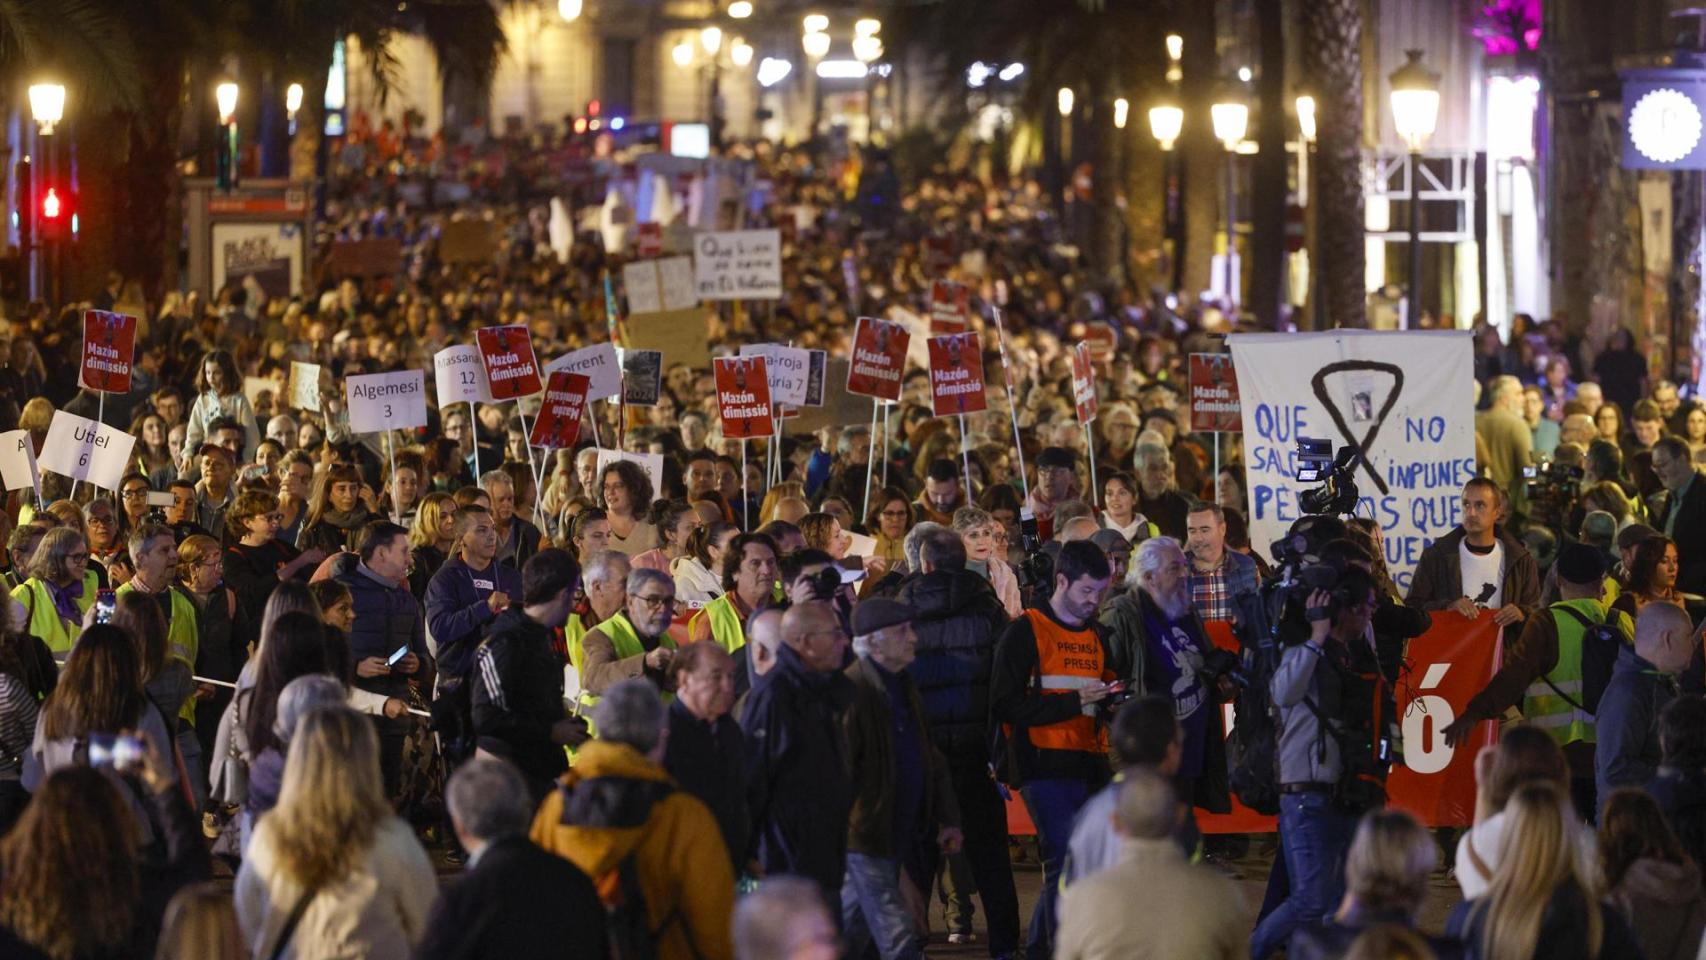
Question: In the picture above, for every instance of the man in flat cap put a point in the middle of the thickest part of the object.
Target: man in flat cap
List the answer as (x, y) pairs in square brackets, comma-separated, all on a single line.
[(902, 795)]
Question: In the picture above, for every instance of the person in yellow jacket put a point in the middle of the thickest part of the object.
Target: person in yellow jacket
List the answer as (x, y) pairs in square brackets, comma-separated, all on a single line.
[(60, 589), (618, 808), (154, 551), (750, 566), (604, 580), (635, 641)]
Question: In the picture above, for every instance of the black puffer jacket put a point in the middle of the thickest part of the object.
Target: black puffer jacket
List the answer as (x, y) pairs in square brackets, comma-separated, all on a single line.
[(959, 620), (387, 616)]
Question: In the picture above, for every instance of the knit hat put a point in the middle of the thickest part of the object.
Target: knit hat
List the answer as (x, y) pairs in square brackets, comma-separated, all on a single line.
[(1580, 563)]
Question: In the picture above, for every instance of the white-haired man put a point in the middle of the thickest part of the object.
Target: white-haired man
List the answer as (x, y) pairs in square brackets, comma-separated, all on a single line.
[(1157, 645)]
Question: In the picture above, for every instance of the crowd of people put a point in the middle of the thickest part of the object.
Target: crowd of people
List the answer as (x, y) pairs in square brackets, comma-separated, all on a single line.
[(774, 702)]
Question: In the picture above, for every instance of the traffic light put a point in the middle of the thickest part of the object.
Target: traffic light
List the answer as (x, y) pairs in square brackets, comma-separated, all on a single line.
[(55, 211)]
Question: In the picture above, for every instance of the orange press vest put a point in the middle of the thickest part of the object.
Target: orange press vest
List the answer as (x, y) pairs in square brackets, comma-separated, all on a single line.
[(1068, 660)]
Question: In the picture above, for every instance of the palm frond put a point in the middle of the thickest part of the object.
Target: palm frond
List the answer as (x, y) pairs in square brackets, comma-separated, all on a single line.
[(82, 42)]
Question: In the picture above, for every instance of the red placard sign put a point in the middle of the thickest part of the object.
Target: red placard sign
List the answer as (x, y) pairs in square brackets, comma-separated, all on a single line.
[(109, 348), (950, 306), (511, 368), (1102, 340), (879, 359), (559, 422), (1084, 383), (1214, 394), (743, 396), (939, 254), (648, 239), (956, 374)]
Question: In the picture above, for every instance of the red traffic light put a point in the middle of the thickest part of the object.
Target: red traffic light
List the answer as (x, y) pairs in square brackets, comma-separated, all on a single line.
[(51, 206)]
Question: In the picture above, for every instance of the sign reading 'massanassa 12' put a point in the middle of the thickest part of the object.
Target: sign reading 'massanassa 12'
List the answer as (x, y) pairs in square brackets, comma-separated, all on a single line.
[(1664, 119)]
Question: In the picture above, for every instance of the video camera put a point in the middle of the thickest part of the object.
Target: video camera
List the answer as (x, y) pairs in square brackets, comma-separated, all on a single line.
[(1551, 488), (1337, 494)]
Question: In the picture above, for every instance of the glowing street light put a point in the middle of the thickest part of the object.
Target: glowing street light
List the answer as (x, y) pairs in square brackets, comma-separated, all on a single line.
[(816, 45), (740, 52), (1063, 100), (1175, 46), (1231, 121), (740, 9), (1306, 117), (816, 23), (1415, 101), (711, 38), (1121, 108), (867, 27), (225, 95), (867, 48), (682, 53), (292, 103), (1166, 121), (47, 105), (569, 10)]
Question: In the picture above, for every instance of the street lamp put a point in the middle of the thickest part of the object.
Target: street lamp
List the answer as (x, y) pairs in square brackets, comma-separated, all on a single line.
[(711, 38), (1063, 100), (1175, 51), (1166, 122), (569, 10), (1122, 107), (815, 23), (867, 27), (292, 103), (740, 53), (740, 9), (225, 97), (867, 48), (1306, 117), (1231, 120), (816, 45), (682, 54), (47, 105), (1415, 111), (1305, 105)]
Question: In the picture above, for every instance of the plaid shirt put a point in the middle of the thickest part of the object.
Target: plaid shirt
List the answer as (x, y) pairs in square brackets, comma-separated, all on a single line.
[(1211, 592)]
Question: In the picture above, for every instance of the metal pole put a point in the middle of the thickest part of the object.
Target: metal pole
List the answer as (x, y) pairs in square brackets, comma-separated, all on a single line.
[(1090, 448), (1231, 235), (391, 455), (745, 494), (1216, 477), (870, 460), (1412, 316), (965, 459), (474, 431), (1012, 411), (887, 409)]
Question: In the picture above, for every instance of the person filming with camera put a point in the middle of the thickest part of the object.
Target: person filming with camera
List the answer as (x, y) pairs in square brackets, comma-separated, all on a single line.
[(1331, 765)]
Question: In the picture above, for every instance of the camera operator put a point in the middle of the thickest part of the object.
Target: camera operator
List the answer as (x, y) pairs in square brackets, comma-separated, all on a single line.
[(1157, 644), (1478, 565), (809, 575), (1051, 669), (1330, 764)]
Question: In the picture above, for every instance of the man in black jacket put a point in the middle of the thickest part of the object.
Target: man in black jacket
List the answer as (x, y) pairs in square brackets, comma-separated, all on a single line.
[(800, 790), (387, 621), (1682, 517), (705, 752), (958, 618), (518, 676), (479, 916)]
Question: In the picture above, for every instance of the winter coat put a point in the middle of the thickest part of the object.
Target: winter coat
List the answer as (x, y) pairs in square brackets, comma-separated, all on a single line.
[(1626, 725), (958, 621), (615, 803), (387, 617), (871, 759), (1664, 904), (518, 695), (457, 612), (709, 761), (1438, 581), (1563, 929), (479, 917)]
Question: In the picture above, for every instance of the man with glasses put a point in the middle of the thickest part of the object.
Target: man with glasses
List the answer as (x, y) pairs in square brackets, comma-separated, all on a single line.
[(1158, 497), (635, 642), (1683, 514), (1057, 482)]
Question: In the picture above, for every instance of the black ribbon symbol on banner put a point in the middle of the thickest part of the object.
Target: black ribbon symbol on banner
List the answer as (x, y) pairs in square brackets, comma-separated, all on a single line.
[(1319, 383)]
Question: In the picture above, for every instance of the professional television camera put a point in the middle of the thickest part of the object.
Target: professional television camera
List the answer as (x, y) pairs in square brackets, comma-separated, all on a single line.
[(1552, 489), (1316, 463)]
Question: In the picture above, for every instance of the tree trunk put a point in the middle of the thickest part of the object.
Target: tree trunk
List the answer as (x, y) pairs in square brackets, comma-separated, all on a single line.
[(1268, 181), (1332, 43), (1201, 158), (151, 194), (1106, 217)]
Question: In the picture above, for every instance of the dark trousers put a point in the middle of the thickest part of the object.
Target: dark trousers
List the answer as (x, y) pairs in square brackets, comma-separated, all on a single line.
[(391, 761), (983, 816), (1053, 804)]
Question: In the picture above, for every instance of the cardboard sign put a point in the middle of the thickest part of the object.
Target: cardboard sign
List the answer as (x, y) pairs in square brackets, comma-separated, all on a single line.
[(814, 377), (304, 389), (468, 241), (1084, 383), (743, 396), (682, 336), (950, 306), (879, 358), (256, 387), (1102, 340), (839, 408), (1214, 394), (460, 376), (652, 463), (654, 286), (511, 369), (956, 375), (109, 348), (85, 450), (738, 265), (558, 424), (642, 377), (365, 258), (648, 239), (789, 369), (18, 462), (600, 366), (386, 401)]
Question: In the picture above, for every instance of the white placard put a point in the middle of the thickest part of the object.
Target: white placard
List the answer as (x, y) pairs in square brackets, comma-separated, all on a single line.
[(654, 286), (859, 545), (386, 401), (304, 385), (598, 363), (738, 265), (789, 370), (675, 280), (18, 461), (652, 463), (460, 376), (85, 450), (1403, 397)]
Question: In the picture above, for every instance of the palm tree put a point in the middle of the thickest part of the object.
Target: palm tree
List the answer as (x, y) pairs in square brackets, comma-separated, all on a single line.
[(1332, 44)]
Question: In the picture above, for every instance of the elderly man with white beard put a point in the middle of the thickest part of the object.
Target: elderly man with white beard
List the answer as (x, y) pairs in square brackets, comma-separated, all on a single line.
[(1157, 645)]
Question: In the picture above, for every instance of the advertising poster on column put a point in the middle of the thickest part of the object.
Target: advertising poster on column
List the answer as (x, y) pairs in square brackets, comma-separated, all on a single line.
[(950, 306), (109, 347), (511, 369), (1084, 383), (743, 396), (956, 375), (558, 425), (879, 359), (1214, 394)]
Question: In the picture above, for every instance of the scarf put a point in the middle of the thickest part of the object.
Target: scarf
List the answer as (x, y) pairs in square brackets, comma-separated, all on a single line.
[(346, 519), (65, 600)]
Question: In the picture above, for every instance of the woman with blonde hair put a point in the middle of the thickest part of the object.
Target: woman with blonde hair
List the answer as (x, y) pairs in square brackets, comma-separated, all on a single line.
[(1386, 884), (333, 855), (1525, 754), (432, 536), (1541, 903), (60, 590), (977, 531), (202, 923)]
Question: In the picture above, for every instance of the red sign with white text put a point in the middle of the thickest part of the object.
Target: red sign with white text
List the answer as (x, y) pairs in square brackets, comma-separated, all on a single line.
[(511, 368), (109, 349), (648, 239), (1102, 339), (743, 396), (558, 425), (1214, 394), (1084, 383), (879, 359), (940, 254), (956, 374), (950, 306)]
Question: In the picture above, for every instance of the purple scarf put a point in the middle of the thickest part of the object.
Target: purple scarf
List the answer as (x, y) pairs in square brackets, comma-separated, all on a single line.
[(65, 601)]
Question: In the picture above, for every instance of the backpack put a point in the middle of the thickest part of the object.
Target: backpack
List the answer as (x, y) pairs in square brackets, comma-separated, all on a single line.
[(627, 923), (1252, 749), (1600, 643), (627, 917)]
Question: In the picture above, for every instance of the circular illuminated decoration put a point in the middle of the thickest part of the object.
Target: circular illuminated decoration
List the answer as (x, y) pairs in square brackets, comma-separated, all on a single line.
[(1664, 125)]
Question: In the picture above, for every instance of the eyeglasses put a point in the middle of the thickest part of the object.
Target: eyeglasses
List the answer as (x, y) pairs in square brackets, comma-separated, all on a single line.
[(102, 519), (135, 493), (655, 602), (78, 557), (893, 514)]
